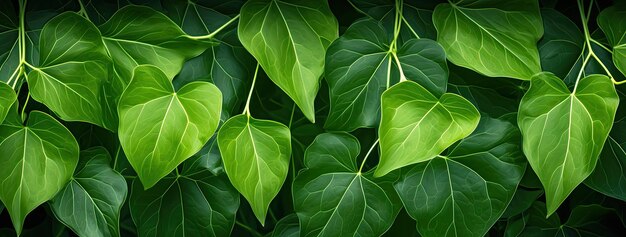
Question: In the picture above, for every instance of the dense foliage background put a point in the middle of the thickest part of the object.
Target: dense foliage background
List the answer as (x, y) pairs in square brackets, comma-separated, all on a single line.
[(312, 118)]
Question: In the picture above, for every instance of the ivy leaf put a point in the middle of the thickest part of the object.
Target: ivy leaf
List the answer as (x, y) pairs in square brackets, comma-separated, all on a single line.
[(495, 38), (91, 202), (7, 98), (71, 70), (256, 157), (467, 190), (189, 204), (564, 131), (37, 161), (160, 127), (289, 39), (289, 226), (333, 198), (359, 69), (609, 176), (612, 22), (416, 126)]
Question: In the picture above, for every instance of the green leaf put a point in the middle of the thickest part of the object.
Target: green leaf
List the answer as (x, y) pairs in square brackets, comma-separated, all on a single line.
[(7, 98), (465, 192), (495, 38), (289, 226), (564, 131), (91, 202), (9, 45), (562, 44), (612, 22), (189, 204), (160, 127), (289, 39), (72, 69), (333, 198), (256, 157), (609, 176), (37, 161), (416, 126), (359, 69)]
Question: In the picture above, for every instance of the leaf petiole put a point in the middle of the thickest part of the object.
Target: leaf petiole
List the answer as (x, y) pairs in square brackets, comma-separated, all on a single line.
[(217, 31), (246, 110), (367, 155)]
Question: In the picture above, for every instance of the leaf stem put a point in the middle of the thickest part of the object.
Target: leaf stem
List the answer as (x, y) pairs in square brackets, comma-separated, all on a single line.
[(82, 10), (248, 228), (24, 108), (217, 31), (585, 19), (367, 155), (246, 110), (395, 57)]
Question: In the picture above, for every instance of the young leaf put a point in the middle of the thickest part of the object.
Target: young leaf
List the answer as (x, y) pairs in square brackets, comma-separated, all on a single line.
[(159, 127), (333, 198), (72, 68), (189, 204), (91, 202), (495, 38), (416, 126), (38, 159), (289, 39), (611, 20), (466, 192), (256, 156), (358, 70), (564, 131), (7, 98)]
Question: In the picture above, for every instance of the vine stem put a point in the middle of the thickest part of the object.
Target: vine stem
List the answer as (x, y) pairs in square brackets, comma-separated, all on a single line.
[(212, 34), (246, 110), (82, 10), (367, 155)]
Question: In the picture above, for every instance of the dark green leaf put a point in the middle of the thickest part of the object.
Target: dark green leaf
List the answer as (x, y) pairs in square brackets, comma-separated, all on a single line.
[(333, 198), (613, 23), (289, 226), (7, 98), (159, 127), (90, 204), (466, 191), (561, 45)]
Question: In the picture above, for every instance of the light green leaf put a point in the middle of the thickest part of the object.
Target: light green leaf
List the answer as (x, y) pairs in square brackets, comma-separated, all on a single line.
[(160, 127), (333, 198), (495, 38), (359, 69), (289, 39), (91, 202), (72, 69), (256, 157), (465, 192), (416, 126), (7, 98), (37, 162), (190, 204), (611, 20), (609, 176), (564, 132)]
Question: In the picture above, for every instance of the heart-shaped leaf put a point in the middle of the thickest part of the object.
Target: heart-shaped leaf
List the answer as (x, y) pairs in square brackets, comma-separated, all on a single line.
[(564, 131), (466, 191), (91, 202), (416, 126), (613, 23), (159, 127), (333, 198), (7, 98), (72, 69), (37, 162), (495, 38), (289, 39), (359, 67), (256, 157), (189, 204)]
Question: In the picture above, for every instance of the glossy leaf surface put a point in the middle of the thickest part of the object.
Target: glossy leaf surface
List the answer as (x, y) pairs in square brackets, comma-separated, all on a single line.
[(7, 98)]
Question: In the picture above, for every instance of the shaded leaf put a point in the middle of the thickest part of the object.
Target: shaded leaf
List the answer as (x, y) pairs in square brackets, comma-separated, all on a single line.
[(7, 98), (561, 45), (612, 22), (289, 226)]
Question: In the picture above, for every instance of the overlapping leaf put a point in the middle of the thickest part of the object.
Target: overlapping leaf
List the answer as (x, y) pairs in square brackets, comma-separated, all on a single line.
[(613, 24), (255, 154), (38, 159), (9, 46), (289, 39), (495, 38), (564, 131), (159, 127), (189, 204), (333, 198), (91, 202), (7, 98), (467, 190), (561, 45), (417, 126), (359, 67)]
